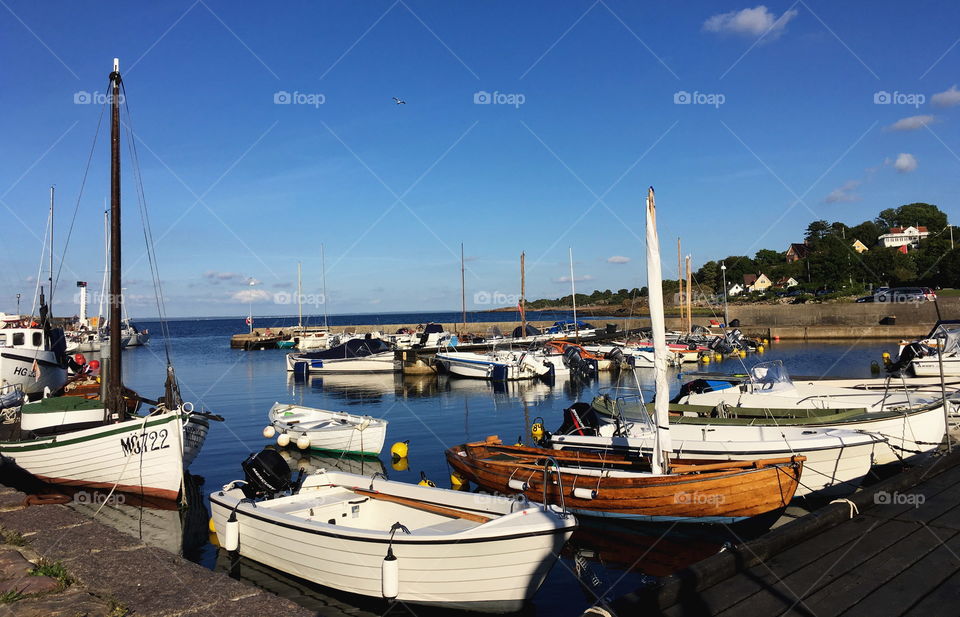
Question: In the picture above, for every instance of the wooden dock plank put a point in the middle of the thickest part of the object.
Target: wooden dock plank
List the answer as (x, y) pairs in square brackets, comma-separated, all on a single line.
[(941, 602), (896, 596), (723, 596), (872, 537), (842, 592)]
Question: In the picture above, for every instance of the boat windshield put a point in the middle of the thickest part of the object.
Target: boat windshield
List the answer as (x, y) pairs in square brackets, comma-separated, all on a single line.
[(771, 376), (948, 335)]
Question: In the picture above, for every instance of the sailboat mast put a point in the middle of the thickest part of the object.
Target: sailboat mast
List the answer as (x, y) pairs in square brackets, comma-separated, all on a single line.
[(689, 297), (573, 296), (114, 402), (106, 267), (50, 295), (659, 460), (680, 284), (523, 296), (463, 291), (323, 266), (299, 297)]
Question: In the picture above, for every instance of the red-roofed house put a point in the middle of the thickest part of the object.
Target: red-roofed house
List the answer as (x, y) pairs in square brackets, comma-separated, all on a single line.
[(796, 252), (904, 236)]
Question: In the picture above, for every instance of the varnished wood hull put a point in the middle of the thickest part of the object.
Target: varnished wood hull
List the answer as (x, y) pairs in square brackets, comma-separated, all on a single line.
[(724, 495)]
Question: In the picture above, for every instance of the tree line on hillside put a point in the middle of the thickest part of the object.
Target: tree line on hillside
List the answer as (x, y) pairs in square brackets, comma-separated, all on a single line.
[(829, 262)]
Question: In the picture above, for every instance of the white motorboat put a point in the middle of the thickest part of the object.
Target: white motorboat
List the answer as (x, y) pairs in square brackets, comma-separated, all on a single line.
[(498, 365), (133, 336), (837, 459), (378, 538), (32, 357), (320, 429), (939, 351), (636, 356), (359, 355)]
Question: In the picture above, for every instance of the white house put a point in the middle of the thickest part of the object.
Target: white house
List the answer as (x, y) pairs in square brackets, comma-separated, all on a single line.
[(735, 290), (787, 283), (904, 236)]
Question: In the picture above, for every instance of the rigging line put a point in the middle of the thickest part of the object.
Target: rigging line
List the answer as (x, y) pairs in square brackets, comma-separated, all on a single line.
[(43, 250), (147, 230), (83, 183)]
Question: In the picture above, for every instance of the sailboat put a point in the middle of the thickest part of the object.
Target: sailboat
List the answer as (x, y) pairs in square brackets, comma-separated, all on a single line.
[(653, 487), (100, 443)]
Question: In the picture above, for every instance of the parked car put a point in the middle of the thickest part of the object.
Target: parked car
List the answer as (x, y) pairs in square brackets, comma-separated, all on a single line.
[(866, 299)]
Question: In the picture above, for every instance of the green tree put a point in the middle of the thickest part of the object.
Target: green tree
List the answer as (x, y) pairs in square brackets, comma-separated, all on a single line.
[(889, 266), (766, 259), (867, 232), (817, 230), (921, 215)]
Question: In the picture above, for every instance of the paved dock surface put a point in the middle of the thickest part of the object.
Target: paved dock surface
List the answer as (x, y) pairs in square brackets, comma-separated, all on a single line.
[(117, 574), (900, 555)]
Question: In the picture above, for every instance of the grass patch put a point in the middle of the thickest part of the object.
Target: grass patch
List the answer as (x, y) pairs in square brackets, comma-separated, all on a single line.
[(54, 570), (118, 609), (9, 536), (948, 293), (9, 597)]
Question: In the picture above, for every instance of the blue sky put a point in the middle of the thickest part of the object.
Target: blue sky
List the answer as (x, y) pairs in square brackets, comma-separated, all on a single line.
[(531, 126)]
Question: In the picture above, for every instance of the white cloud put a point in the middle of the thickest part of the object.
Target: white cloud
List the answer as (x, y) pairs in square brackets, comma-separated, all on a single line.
[(566, 279), (757, 21), (911, 123), (252, 281), (905, 163), (618, 259), (947, 98), (251, 295), (844, 193)]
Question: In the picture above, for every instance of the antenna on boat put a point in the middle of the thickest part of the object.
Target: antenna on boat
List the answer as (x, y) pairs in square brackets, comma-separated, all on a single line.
[(113, 400), (463, 292), (523, 296), (50, 295), (659, 460), (323, 266), (573, 297)]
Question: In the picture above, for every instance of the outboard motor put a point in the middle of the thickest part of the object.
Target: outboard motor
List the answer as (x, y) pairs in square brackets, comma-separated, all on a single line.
[(579, 419), (909, 352), (266, 473), (615, 354)]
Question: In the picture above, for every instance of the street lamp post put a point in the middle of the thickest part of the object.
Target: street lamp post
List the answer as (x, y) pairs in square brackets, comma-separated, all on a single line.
[(18, 305), (723, 273)]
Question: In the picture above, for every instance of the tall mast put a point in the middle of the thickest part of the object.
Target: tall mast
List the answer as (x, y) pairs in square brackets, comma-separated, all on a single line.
[(299, 297), (659, 460), (680, 283), (463, 291), (573, 297), (106, 266), (50, 295), (323, 265), (523, 296), (115, 402), (689, 297)]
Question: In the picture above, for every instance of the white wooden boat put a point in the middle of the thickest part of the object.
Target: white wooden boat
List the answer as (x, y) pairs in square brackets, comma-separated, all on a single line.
[(378, 538), (320, 429), (940, 350), (359, 355), (837, 460), (499, 365)]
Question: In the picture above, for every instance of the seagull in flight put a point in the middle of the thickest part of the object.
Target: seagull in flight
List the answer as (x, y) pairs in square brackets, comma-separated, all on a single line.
[(398, 101)]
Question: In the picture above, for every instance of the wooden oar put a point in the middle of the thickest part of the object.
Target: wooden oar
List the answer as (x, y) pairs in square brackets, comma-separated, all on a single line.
[(422, 505)]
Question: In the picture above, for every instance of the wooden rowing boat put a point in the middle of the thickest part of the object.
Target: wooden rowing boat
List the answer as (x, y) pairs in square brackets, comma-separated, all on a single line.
[(622, 486)]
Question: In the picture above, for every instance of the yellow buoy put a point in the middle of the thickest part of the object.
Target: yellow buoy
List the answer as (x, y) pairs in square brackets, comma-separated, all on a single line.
[(766, 342), (705, 359), (536, 431), (400, 464), (211, 526), (457, 482), (400, 449), (717, 357), (759, 348), (425, 481), (742, 354), (886, 358)]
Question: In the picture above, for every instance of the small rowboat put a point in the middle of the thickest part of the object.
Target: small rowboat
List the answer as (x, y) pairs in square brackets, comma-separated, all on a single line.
[(380, 538), (320, 429), (617, 485)]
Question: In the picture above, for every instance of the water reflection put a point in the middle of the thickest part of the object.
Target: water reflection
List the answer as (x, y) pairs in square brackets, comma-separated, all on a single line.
[(312, 461)]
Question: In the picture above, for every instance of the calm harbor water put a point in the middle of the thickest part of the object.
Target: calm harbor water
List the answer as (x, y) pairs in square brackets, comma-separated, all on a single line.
[(433, 413)]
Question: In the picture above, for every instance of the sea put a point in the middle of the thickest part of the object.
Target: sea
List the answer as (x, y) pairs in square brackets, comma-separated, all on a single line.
[(603, 560)]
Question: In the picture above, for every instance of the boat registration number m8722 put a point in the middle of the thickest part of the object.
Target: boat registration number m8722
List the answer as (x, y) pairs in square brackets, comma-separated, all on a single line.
[(145, 442)]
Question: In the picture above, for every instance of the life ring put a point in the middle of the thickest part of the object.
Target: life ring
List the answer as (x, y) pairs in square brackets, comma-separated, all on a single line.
[(46, 499)]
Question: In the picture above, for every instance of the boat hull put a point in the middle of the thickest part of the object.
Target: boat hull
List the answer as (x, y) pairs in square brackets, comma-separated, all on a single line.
[(342, 432), (930, 367), (140, 456), (489, 572), (33, 370), (377, 363), (709, 497)]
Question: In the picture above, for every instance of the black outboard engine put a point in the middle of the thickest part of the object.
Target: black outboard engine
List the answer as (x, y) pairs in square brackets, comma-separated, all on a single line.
[(579, 419), (615, 354), (266, 473), (911, 351)]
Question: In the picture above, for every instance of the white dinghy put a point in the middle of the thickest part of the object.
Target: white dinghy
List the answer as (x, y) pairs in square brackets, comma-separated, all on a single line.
[(320, 429), (379, 538)]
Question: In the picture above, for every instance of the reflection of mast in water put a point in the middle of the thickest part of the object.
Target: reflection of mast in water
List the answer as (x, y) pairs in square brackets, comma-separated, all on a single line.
[(312, 461), (526, 422), (466, 418)]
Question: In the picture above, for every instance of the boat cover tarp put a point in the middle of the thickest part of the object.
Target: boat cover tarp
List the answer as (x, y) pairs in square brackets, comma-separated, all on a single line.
[(354, 348), (531, 331)]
